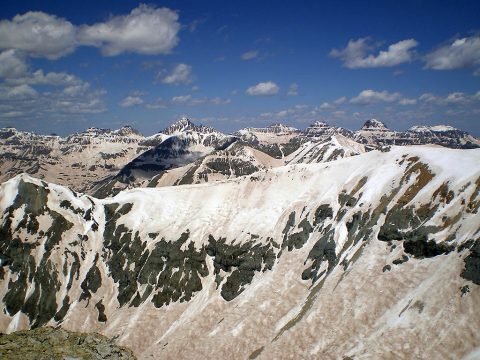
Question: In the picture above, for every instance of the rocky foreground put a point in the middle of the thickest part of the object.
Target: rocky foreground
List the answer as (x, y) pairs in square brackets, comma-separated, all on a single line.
[(52, 344)]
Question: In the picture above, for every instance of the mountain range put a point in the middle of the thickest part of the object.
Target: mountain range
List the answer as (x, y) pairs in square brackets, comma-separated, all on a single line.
[(279, 243), (102, 162)]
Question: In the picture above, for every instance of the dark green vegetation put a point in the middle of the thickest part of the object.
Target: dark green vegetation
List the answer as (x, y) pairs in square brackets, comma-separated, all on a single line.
[(40, 305), (172, 270), (472, 264), (238, 263), (59, 344)]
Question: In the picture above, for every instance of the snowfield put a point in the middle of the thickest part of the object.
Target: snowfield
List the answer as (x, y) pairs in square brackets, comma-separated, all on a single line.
[(367, 256)]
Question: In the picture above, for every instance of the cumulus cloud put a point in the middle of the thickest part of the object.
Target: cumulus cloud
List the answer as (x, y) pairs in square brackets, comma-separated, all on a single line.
[(326, 106), (38, 35), (263, 89), (250, 55), (19, 98), (11, 64), (340, 100), (181, 99), (20, 92), (23, 101), (146, 30), (292, 90), (368, 97), (15, 71), (355, 54), (219, 101), (181, 74), (189, 100), (461, 53), (407, 101), (157, 104), (130, 101), (454, 99)]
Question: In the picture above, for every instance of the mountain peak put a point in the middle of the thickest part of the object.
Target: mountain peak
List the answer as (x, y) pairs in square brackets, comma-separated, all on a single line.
[(374, 124), (180, 125), (319, 124), (436, 128), (281, 128), (127, 130)]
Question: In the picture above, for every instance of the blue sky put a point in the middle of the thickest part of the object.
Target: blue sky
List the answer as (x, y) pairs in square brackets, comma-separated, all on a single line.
[(65, 66)]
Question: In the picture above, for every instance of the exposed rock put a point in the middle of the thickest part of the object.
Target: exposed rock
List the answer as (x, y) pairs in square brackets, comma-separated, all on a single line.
[(59, 344)]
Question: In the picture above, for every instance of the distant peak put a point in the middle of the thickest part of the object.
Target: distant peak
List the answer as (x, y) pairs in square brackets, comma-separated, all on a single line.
[(281, 128), (180, 125), (374, 124), (127, 130), (319, 124), (436, 128)]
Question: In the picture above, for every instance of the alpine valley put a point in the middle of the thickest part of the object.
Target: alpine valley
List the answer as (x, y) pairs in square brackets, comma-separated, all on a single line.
[(267, 243)]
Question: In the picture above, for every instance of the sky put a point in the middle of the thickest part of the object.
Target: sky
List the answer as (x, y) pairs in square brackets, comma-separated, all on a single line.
[(69, 65)]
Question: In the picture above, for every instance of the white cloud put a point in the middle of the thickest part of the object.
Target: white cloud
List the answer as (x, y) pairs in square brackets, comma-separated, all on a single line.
[(181, 74), (157, 104), (182, 99), (367, 97), (461, 53), (15, 71), (23, 101), (455, 99), (19, 99), (11, 64), (76, 90), (130, 101), (355, 54), (340, 100), (52, 78), (189, 100), (339, 113), (20, 92), (326, 106), (220, 101), (38, 34), (407, 101), (146, 30), (292, 90), (250, 55), (263, 89)]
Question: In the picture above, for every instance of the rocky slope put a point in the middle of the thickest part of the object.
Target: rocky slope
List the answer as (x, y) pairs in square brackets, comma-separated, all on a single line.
[(59, 344), (78, 160), (370, 256)]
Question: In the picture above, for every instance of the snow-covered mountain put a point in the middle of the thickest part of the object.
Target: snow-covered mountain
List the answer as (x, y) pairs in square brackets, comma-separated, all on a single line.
[(78, 160), (334, 148), (237, 160), (103, 162), (184, 143), (370, 256), (374, 132), (276, 140), (320, 131)]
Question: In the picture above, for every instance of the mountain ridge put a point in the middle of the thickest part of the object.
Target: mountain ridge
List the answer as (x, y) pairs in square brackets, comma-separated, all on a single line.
[(365, 244), (102, 161)]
